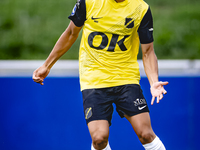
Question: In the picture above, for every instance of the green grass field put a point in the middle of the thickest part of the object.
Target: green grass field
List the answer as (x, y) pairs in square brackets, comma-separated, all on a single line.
[(29, 29)]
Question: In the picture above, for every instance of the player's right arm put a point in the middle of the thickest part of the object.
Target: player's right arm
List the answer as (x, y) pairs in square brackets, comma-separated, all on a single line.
[(66, 40), (63, 44)]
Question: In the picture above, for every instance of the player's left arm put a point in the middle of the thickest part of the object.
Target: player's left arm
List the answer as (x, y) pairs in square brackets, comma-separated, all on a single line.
[(151, 69), (149, 58)]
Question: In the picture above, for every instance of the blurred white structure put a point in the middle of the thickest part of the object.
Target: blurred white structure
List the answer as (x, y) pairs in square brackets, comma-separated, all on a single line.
[(66, 68)]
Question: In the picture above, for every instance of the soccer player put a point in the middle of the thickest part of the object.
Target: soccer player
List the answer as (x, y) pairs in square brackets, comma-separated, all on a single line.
[(108, 67)]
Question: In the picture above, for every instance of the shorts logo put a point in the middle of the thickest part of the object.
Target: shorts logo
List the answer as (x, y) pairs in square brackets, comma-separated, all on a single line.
[(88, 113), (139, 102), (140, 108)]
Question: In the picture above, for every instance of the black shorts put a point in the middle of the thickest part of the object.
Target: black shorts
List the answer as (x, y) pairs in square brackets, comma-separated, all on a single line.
[(98, 103)]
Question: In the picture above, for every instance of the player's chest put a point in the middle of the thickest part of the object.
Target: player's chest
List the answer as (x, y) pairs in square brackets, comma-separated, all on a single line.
[(110, 20)]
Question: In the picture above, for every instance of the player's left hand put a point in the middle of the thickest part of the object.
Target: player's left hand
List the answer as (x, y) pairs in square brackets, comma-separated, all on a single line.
[(157, 91)]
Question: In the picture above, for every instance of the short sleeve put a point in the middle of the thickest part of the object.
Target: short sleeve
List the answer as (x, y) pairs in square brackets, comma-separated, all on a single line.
[(145, 29), (78, 15)]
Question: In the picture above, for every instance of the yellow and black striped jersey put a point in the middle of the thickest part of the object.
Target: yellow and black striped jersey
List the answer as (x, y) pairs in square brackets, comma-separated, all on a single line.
[(110, 40)]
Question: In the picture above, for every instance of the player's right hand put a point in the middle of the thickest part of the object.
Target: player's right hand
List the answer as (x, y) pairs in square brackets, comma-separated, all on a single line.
[(40, 74)]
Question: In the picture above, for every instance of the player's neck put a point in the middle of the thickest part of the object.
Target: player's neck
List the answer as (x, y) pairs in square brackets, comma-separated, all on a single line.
[(118, 1)]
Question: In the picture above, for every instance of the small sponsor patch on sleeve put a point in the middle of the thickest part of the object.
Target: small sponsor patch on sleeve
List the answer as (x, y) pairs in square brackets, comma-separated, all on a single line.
[(78, 15)]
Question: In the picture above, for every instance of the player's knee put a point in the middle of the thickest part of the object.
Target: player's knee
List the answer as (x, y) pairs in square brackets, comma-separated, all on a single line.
[(99, 141), (146, 136)]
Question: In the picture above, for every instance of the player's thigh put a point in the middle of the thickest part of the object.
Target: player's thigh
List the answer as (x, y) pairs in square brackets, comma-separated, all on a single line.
[(141, 123), (99, 129), (97, 105), (131, 101)]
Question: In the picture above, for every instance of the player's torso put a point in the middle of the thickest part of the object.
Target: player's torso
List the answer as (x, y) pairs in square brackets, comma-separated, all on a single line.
[(110, 43)]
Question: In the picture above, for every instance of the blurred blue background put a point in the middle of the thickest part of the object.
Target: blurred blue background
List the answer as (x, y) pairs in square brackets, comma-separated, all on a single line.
[(50, 117)]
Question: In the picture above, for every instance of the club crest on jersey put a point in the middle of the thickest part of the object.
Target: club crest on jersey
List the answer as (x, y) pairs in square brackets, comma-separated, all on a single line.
[(88, 113), (129, 23)]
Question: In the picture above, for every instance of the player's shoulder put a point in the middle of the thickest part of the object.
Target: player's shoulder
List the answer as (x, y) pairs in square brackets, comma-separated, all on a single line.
[(92, 5), (143, 6), (89, 3), (142, 2)]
